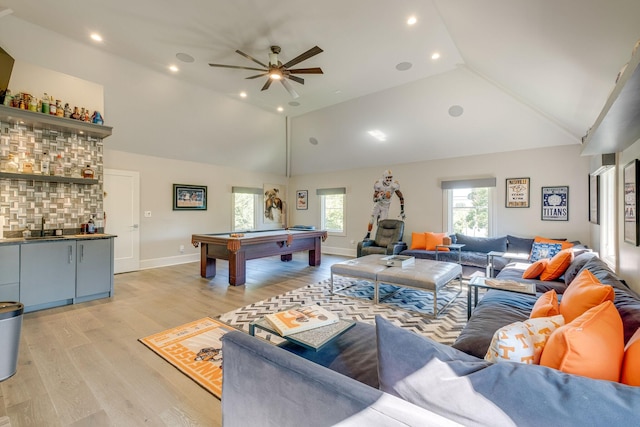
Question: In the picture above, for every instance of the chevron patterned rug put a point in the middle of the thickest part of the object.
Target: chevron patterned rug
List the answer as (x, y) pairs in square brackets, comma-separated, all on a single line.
[(404, 307)]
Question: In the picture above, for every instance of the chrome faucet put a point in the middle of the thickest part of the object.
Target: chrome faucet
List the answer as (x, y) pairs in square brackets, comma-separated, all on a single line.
[(42, 226)]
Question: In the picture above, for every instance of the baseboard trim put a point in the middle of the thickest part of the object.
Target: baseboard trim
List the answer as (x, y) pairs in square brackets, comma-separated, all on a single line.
[(339, 251), (168, 261)]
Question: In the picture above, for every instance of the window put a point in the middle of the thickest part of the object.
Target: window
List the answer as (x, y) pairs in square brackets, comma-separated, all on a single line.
[(608, 217), (332, 210), (245, 208), (469, 206)]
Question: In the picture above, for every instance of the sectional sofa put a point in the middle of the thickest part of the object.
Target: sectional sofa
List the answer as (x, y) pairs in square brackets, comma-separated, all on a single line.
[(473, 255), (386, 376)]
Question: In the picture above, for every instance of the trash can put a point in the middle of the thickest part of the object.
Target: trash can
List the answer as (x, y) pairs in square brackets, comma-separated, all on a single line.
[(10, 327)]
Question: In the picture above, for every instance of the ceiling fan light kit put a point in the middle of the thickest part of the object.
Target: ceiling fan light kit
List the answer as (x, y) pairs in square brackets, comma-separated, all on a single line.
[(278, 71)]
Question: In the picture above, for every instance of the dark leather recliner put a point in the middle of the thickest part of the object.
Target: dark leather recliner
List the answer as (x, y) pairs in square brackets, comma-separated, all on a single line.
[(387, 241)]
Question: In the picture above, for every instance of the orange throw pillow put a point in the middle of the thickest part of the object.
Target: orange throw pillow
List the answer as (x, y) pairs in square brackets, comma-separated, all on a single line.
[(558, 265), (582, 294), (546, 305), (418, 241), (535, 270), (592, 345), (565, 244), (433, 239), (631, 363)]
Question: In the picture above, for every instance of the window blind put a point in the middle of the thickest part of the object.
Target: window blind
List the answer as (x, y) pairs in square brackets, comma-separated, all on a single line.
[(468, 183), (246, 190), (330, 191)]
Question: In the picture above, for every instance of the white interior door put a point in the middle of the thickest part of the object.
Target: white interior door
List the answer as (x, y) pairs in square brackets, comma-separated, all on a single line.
[(122, 209)]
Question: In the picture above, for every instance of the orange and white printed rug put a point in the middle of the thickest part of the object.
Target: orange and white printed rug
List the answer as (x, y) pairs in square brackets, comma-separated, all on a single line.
[(195, 349)]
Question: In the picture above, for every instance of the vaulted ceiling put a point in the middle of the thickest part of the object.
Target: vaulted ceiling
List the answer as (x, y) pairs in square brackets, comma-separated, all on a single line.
[(511, 74)]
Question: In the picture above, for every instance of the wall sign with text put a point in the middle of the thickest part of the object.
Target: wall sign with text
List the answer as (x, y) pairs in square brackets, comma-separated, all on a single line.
[(555, 203), (517, 193)]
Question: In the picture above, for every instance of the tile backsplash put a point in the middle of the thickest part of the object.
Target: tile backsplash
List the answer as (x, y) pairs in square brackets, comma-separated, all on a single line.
[(23, 202)]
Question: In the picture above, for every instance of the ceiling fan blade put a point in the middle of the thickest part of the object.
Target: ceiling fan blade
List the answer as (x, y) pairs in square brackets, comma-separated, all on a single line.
[(295, 79), (308, 54), (267, 84), (316, 70), (237, 67), (250, 58), (289, 89), (257, 75)]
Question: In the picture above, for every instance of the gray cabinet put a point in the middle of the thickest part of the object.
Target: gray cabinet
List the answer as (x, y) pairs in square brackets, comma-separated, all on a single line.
[(94, 268), (47, 274), (10, 273)]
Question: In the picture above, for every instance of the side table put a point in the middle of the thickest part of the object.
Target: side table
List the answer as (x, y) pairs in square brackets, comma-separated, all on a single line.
[(453, 246), (510, 255), (487, 283)]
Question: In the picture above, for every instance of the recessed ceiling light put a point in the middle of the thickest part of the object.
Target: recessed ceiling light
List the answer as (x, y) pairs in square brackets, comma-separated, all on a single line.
[(313, 141), (280, 109), (184, 57), (377, 134), (294, 103), (436, 55), (412, 20), (173, 68), (404, 66), (243, 94), (96, 37)]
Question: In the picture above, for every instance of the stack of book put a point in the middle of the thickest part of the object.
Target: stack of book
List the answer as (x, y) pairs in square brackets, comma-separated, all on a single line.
[(298, 319)]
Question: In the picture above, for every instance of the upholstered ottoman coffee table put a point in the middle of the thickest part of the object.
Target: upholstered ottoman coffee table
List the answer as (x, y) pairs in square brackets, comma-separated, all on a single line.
[(426, 275), (366, 267)]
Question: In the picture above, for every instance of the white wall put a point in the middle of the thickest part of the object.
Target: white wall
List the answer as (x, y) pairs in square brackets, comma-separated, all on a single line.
[(420, 185), (163, 233)]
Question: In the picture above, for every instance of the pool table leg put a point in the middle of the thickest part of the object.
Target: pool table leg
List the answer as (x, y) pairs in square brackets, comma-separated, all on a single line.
[(207, 265), (237, 268), (315, 254)]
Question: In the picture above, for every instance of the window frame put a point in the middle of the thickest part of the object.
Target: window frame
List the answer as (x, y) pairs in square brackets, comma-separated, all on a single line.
[(257, 195), (608, 225), (323, 193), (447, 209)]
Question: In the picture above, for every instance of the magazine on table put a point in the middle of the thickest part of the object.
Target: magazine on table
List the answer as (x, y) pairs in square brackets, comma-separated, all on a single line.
[(512, 285), (298, 319)]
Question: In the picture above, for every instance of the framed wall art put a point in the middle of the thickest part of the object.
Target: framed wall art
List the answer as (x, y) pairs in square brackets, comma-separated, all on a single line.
[(594, 199), (302, 197), (517, 195), (555, 203), (189, 197), (631, 226), (275, 204)]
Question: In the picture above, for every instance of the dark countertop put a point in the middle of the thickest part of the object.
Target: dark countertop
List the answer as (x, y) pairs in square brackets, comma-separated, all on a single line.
[(22, 240)]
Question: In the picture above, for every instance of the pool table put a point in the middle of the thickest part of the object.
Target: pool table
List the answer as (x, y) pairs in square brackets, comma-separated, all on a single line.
[(239, 247)]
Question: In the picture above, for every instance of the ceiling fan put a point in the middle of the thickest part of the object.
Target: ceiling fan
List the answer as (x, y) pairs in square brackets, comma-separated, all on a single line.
[(276, 70)]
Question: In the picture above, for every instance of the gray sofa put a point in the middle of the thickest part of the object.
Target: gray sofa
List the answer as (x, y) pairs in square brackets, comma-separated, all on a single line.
[(473, 256), (386, 376)]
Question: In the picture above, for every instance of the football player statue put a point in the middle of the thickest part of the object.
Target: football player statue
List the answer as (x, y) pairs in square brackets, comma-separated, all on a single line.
[(383, 190)]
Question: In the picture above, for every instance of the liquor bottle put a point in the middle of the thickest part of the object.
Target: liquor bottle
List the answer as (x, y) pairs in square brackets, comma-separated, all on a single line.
[(27, 163), (88, 172), (53, 109), (45, 163), (12, 165), (45, 104), (91, 225), (58, 167)]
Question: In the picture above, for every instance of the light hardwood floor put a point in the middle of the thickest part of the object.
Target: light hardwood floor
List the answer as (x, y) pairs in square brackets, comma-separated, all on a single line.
[(82, 365)]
